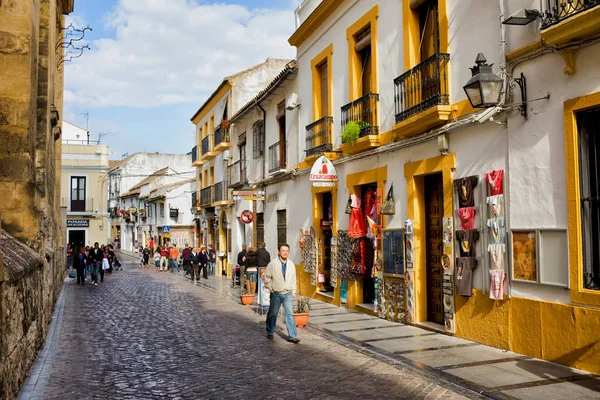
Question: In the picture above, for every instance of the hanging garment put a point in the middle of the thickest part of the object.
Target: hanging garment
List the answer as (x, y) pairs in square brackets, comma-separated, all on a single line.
[(363, 256), (464, 275), (369, 202), (494, 180), (497, 284), (357, 227), (467, 217), (497, 255), (497, 232), (466, 240), (496, 204), (464, 190)]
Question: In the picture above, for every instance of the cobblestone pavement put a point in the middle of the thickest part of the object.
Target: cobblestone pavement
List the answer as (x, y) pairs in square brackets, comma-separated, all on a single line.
[(143, 334)]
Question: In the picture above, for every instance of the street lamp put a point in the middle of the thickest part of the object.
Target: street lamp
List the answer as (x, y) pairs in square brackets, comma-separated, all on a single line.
[(484, 87), (522, 17)]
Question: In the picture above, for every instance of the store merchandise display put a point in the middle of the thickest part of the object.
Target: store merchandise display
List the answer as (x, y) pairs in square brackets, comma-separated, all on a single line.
[(467, 237), (497, 234)]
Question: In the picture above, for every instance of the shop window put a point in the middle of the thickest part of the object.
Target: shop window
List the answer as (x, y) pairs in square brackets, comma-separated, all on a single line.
[(260, 228), (258, 136), (281, 227), (161, 207), (589, 179)]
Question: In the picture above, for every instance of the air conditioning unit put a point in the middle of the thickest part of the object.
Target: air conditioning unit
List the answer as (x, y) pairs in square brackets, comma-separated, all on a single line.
[(292, 102)]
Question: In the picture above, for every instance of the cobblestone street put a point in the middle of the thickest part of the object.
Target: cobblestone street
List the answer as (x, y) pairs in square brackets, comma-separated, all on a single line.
[(151, 335)]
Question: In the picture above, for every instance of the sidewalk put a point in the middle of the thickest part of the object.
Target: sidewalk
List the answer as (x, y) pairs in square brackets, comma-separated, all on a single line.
[(492, 372)]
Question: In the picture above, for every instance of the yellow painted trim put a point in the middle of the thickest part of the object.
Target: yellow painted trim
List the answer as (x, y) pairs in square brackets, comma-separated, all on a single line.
[(415, 189), (462, 108), (354, 65), (577, 27), (325, 55), (362, 144), (578, 293), (222, 146), (525, 50), (428, 119), (362, 178), (198, 163), (310, 160), (199, 116), (412, 37), (315, 20)]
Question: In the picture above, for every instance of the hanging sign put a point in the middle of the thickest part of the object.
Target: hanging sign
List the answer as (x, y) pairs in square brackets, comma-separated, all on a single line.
[(323, 173), (166, 231), (255, 195), (247, 216)]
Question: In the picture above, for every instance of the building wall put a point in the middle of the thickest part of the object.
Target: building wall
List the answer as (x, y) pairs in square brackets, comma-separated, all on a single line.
[(30, 83)]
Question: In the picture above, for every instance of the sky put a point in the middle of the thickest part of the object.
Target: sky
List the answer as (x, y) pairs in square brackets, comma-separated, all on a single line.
[(153, 63)]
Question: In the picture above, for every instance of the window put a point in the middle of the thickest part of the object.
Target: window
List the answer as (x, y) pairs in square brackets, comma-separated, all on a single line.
[(260, 228), (161, 207), (363, 51), (282, 135), (150, 207), (242, 147), (589, 180), (321, 81), (78, 188), (258, 138), (281, 227)]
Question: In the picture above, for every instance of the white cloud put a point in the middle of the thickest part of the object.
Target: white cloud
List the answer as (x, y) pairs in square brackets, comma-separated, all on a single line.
[(174, 51)]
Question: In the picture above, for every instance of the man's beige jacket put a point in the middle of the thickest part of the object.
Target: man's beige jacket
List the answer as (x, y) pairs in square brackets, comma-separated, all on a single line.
[(274, 277)]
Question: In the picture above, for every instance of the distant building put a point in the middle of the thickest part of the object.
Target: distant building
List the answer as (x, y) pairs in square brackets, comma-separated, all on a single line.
[(83, 187)]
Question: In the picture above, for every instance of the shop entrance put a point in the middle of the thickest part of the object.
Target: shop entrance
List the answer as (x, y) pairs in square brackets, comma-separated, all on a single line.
[(326, 213), (77, 237), (434, 209), (368, 284)]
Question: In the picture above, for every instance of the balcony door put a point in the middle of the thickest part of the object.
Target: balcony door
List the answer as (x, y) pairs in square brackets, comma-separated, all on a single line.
[(282, 136), (429, 29), (78, 188)]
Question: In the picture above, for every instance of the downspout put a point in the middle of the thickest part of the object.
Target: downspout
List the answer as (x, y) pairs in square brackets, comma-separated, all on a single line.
[(263, 138)]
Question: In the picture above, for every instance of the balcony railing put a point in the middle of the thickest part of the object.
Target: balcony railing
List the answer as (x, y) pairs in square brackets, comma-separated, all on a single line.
[(220, 191), (559, 10), (206, 196), (86, 205), (423, 87), (194, 154), (319, 136), (221, 135), (275, 161), (237, 173), (206, 144), (195, 202), (363, 111)]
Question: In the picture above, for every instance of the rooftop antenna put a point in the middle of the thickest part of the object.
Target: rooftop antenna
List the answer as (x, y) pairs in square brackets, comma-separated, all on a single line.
[(87, 121)]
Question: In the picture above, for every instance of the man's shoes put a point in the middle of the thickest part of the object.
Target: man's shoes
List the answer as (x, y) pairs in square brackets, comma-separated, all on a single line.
[(270, 337), (294, 340), (95, 283)]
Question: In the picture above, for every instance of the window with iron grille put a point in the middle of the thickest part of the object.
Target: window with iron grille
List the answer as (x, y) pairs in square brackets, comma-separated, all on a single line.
[(281, 227), (161, 206), (589, 180), (150, 207), (229, 240), (258, 136), (260, 228)]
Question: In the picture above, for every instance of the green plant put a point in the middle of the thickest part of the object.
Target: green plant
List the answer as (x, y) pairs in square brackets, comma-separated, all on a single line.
[(362, 124), (351, 132), (303, 305)]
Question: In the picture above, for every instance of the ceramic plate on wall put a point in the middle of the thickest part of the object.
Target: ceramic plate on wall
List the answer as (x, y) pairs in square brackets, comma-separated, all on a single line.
[(448, 302)]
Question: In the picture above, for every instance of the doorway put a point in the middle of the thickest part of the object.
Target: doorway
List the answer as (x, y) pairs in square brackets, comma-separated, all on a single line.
[(434, 209), (77, 237), (326, 222), (368, 195)]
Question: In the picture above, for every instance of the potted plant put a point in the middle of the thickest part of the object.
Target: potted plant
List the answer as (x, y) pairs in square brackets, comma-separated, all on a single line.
[(246, 298), (351, 132), (302, 312)]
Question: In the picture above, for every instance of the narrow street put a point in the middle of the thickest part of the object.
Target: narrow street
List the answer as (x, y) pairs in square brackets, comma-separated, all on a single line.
[(143, 334)]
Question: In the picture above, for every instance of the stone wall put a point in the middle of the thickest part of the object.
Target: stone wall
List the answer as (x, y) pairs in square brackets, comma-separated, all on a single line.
[(32, 259)]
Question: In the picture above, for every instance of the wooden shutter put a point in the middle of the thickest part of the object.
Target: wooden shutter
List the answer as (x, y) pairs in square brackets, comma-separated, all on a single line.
[(324, 85)]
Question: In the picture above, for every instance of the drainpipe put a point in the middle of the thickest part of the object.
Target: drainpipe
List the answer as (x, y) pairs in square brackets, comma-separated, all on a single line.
[(263, 138)]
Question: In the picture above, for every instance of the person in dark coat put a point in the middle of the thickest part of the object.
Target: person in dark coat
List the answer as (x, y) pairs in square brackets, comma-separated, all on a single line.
[(263, 258), (96, 256), (242, 264), (79, 265), (203, 262)]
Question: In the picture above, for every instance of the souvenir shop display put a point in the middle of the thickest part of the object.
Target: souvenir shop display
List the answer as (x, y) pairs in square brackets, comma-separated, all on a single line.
[(344, 256), (309, 251), (363, 255), (393, 251), (393, 301), (464, 188), (448, 273), (409, 271), (497, 235), (389, 206), (333, 275), (357, 226)]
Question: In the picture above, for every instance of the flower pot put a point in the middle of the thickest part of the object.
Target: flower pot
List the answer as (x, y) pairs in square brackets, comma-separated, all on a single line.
[(247, 299), (301, 319)]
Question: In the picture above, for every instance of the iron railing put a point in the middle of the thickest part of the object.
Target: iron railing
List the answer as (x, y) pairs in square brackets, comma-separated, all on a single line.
[(319, 136), (221, 135), (206, 196), (236, 173), (275, 161), (86, 205), (423, 87), (559, 10), (220, 191), (194, 154), (364, 112), (206, 144), (195, 202)]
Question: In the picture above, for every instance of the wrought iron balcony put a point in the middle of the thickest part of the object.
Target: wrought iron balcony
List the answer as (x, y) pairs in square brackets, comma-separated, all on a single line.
[(319, 136), (82, 206), (221, 135), (220, 191), (275, 161), (364, 112), (237, 173), (195, 202), (559, 10), (206, 196), (206, 144), (194, 154), (423, 87)]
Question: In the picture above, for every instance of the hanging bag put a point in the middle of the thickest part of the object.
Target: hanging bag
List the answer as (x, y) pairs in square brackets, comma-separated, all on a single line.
[(349, 206), (389, 206)]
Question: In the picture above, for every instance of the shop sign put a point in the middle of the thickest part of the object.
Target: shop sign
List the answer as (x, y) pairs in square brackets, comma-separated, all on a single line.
[(78, 223), (247, 216), (273, 197), (253, 195), (323, 173)]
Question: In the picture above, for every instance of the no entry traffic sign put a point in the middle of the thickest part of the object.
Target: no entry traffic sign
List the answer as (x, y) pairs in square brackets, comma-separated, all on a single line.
[(247, 216)]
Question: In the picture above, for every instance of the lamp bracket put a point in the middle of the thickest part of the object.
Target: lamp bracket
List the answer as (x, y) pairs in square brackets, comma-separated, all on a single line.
[(522, 82)]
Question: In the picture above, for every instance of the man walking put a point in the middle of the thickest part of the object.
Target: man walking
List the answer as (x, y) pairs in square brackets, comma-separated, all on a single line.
[(96, 255), (185, 254), (212, 259), (163, 259), (280, 279), (263, 258), (174, 253)]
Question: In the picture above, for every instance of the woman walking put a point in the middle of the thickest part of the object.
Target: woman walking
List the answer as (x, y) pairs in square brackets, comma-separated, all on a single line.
[(203, 262)]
